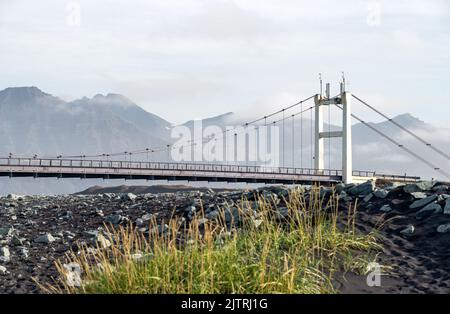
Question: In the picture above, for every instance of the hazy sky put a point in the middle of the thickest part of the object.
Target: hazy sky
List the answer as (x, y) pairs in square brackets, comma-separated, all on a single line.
[(196, 58)]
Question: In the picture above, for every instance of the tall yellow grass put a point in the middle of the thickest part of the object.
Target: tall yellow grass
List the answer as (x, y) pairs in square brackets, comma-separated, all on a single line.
[(300, 253)]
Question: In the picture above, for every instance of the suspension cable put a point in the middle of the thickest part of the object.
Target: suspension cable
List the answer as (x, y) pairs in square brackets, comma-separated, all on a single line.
[(434, 167), (440, 152)]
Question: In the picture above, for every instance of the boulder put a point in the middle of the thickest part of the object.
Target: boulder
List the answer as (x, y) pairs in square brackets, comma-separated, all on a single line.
[(114, 219), (386, 208), (409, 230), (447, 207), (362, 189), (6, 231), (3, 270), (428, 210), (129, 197), (381, 193), (419, 186), (45, 238), (5, 255), (423, 202), (418, 195), (101, 241), (443, 228)]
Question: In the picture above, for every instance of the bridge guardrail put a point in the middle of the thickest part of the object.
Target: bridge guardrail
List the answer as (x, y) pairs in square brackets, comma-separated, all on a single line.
[(201, 167), (98, 164)]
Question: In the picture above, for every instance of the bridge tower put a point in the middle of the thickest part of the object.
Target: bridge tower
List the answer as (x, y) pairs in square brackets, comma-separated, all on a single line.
[(343, 101)]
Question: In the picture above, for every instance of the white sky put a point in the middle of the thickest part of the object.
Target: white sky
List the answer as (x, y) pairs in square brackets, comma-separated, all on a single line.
[(197, 58)]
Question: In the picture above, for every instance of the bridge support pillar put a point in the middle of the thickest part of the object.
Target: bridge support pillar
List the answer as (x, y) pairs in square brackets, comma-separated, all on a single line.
[(344, 102), (347, 160), (319, 141)]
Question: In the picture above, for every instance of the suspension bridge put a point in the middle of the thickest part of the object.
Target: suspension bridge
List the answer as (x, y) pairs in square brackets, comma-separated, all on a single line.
[(108, 165)]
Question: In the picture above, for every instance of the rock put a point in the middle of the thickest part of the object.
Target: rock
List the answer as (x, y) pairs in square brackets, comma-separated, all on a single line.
[(73, 274), (129, 197), (114, 219), (212, 215), (386, 208), (381, 193), (423, 202), (428, 210), (101, 241), (147, 217), (232, 215), (408, 230), (45, 238), (440, 189), (202, 221), (367, 198), (447, 207), (362, 189), (160, 229), (6, 231), (418, 195), (443, 228), (3, 270), (14, 197), (339, 188), (16, 241), (419, 186), (5, 255), (23, 252)]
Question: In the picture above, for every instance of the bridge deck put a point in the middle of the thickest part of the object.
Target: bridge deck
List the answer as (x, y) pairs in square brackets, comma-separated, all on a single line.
[(75, 168)]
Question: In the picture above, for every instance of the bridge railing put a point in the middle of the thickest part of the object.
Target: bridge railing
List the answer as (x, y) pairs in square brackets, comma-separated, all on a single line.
[(200, 167), (99, 164)]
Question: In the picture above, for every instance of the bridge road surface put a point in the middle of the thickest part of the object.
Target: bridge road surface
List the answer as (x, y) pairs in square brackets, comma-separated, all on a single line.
[(105, 169)]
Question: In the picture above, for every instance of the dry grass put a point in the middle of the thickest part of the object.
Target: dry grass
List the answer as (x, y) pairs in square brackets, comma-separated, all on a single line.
[(265, 254)]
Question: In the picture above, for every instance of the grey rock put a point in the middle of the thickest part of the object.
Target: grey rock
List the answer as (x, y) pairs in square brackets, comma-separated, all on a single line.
[(368, 197), (14, 197), (362, 189), (381, 193), (23, 252), (447, 207), (232, 215), (129, 197), (160, 229), (419, 186), (16, 241), (5, 255), (419, 195), (428, 210), (114, 219), (339, 188), (443, 228), (214, 214), (409, 230), (101, 241), (423, 202), (6, 231), (386, 208), (440, 189), (45, 238), (3, 270)]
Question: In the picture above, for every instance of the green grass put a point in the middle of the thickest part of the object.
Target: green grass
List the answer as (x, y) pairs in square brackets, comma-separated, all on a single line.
[(298, 254)]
